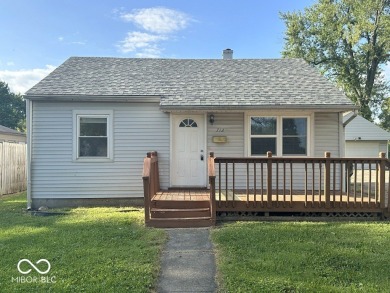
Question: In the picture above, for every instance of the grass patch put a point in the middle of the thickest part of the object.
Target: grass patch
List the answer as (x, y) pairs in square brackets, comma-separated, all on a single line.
[(89, 249), (303, 257)]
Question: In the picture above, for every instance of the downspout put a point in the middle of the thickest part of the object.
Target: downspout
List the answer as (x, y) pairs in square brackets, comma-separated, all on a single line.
[(29, 148), (341, 130), (344, 124)]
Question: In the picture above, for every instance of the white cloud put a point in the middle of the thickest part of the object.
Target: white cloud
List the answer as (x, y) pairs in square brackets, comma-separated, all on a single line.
[(157, 24), (66, 41), (82, 43), (145, 42), (158, 20), (22, 80), (151, 52)]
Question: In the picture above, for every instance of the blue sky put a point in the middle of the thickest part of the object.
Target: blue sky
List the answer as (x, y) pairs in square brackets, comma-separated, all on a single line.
[(37, 36)]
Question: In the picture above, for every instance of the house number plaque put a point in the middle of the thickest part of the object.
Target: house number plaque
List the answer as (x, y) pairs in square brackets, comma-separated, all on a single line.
[(219, 139)]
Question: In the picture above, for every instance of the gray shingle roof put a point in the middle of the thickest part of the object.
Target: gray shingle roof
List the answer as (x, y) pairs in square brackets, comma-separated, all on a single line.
[(194, 82), (7, 130)]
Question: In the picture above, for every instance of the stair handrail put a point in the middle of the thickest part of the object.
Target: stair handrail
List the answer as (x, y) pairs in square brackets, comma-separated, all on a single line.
[(151, 181)]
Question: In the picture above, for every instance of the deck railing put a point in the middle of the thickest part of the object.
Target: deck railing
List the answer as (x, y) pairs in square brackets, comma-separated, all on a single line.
[(151, 181), (211, 169), (300, 184)]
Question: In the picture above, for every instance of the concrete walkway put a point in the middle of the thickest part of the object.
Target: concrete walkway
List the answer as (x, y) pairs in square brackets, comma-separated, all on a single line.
[(188, 262)]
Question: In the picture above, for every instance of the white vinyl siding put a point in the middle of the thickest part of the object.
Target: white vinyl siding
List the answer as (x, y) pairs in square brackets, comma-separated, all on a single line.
[(137, 129), (362, 129), (327, 134), (365, 148), (230, 125), (323, 130)]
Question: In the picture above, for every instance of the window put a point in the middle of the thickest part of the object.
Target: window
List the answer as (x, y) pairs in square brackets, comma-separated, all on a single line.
[(283, 136), (294, 136), (93, 137), (263, 135), (188, 123)]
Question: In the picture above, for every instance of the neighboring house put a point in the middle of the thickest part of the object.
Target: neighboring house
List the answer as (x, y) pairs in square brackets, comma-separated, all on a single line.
[(364, 139), (11, 135), (92, 120)]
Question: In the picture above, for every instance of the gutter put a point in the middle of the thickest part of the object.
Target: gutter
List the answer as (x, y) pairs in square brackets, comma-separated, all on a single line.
[(29, 106), (353, 116), (223, 108), (93, 98)]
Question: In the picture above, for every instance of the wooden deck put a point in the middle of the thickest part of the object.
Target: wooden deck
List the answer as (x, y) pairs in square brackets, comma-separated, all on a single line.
[(240, 200), (271, 185)]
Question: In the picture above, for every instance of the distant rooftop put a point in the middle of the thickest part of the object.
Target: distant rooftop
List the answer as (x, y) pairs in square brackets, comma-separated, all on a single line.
[(7, 130), (361, 129)]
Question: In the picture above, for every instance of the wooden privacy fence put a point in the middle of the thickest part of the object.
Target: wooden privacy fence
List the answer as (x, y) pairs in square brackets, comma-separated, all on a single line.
[(326, 184), (12, 167)]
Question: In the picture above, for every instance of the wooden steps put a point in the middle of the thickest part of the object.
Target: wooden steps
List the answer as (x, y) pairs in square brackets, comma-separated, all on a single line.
[(180, 222), (180, 213), (174, 212)]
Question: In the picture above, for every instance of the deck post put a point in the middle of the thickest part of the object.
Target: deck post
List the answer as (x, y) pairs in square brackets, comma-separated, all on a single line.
[(156, 173), (327, 180), (269, 179), (146, 183), (213, 208), (382, 181)]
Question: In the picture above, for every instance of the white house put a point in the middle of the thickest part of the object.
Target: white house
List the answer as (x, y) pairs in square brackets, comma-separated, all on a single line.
[(92, 120), (364, 139)]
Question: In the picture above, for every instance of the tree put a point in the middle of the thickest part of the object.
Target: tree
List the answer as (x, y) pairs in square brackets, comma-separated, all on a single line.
[(12, 109), (348, 40), (384, 115)]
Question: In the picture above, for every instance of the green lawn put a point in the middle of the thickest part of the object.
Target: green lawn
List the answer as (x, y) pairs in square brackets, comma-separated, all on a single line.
[(303, 257), (89, 249)]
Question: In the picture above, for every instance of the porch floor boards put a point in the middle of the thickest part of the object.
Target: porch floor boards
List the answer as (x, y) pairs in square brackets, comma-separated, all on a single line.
[(182, 195), (241, 195)]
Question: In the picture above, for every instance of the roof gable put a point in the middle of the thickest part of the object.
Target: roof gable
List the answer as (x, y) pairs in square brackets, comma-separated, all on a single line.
[(194, 82), (362, 129)]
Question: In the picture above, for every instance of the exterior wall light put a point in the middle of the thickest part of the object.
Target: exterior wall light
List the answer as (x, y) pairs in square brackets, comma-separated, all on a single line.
[(211, 119)]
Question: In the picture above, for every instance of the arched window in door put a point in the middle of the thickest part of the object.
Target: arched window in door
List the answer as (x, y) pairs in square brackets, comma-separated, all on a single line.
[(188, 122)]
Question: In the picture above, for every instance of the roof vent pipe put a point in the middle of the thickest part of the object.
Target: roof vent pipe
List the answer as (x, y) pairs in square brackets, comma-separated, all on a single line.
[(227, 54)]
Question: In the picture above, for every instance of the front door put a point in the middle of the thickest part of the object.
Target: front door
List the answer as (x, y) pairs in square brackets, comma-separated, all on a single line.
[(188, 151)]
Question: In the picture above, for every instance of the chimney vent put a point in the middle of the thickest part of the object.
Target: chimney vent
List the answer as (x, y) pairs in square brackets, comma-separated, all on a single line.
[(227, 54)]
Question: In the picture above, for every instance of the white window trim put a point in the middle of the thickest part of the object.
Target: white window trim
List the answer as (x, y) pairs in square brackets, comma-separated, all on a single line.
[(77, 114), (279, 132)]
